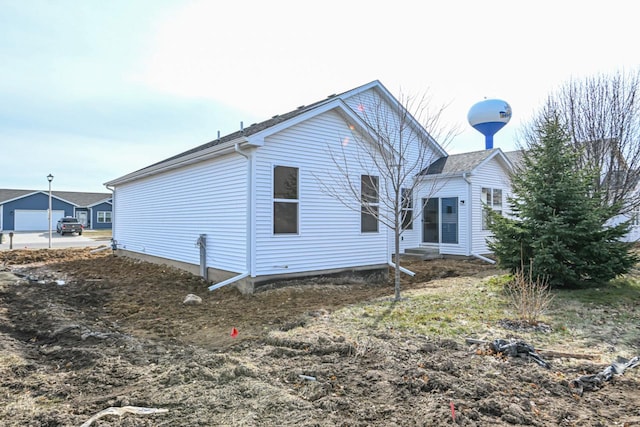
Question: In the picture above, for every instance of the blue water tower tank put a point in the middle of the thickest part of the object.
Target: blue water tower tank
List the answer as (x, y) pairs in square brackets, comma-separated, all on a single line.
[(488, 117)]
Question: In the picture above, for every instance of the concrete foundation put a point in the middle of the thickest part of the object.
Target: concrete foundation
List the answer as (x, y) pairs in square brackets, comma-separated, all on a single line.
[(373, 274)]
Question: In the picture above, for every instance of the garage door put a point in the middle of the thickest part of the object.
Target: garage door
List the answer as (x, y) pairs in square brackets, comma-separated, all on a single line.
[(27, 220)]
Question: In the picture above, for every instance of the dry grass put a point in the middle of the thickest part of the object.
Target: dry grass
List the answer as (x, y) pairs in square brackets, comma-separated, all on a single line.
[(602, 321), (98, 234), (530, 297)]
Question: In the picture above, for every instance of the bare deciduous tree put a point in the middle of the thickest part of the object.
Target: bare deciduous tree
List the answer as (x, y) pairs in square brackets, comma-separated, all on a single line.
[(602, 115), (397, 142)]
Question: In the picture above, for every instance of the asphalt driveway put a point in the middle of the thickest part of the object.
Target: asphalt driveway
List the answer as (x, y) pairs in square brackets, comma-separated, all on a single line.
[(40, 240)]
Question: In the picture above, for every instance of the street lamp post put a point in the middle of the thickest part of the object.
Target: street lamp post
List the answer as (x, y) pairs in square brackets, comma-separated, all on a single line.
[(50, 178)]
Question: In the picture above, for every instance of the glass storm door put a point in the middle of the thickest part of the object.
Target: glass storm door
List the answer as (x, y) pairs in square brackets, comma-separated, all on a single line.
[(440, 220), (430, 220), (449, 218), (82, 218)]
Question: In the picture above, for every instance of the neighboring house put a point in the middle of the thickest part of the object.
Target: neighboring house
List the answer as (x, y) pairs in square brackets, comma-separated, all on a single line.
[(249, 207), (617, 181), (28, 210)]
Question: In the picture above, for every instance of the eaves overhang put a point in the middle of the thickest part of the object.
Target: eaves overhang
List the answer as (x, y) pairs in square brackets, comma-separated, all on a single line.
[(189, 159)]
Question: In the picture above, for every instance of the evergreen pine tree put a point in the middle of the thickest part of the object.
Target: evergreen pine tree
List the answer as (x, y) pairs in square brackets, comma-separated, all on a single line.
[(559, 221)]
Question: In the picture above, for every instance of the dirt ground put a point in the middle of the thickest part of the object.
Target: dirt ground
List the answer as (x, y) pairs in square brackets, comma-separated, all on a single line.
[(81, 332)]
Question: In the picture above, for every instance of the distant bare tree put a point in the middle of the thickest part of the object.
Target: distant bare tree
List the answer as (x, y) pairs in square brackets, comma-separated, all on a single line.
[(602, 116), (393, 148)]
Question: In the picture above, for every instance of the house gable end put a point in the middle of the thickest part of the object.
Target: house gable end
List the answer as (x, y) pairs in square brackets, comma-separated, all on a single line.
[(499, 156), (384, 95)]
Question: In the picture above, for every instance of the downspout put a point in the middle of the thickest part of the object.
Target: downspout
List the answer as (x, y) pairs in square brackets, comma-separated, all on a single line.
[(404, 270), (249, 242), (484, 258), (114, 242), (469, 213)]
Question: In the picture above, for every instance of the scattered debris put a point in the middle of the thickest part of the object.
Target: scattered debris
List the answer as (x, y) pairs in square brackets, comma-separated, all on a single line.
[(307, 377), (545, 352), (595, 381), (192, 299), (120, 411), (518, 349)]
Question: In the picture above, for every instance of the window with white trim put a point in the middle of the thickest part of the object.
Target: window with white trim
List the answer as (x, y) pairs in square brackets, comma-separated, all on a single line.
[(407, 209), (491, 197), (370, 202), (104, 217), (285, 200)]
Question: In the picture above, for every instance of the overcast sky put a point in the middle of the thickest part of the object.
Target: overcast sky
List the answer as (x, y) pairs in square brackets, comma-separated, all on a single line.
[(91, 90)]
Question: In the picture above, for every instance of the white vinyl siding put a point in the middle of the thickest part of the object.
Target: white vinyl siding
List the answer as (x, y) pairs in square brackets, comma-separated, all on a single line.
[(489, 175), (328, 232), (165, 214)]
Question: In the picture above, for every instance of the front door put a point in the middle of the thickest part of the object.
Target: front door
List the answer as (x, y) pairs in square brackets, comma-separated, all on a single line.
[(82, 218)]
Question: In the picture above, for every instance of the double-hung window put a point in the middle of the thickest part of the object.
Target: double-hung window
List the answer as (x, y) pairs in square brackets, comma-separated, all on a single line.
[(104, 217), (492, 198), (370, 203), (407, 209), (285, 200)]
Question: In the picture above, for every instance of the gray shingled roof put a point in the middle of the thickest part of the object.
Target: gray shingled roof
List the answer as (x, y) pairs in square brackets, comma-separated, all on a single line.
[(458, 163), (254, 128), (515, 157), (79, 199)]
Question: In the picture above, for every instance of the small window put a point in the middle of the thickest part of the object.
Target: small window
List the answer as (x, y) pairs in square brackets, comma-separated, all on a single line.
[(285, 200), (104, 217), (407, 209), (370, 203), (491, 197)]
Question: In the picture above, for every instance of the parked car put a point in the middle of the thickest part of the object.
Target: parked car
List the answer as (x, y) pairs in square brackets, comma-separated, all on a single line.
[(69, 224)]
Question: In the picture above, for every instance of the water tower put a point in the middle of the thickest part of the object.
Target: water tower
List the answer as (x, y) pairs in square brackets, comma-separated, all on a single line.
[(488, 117)]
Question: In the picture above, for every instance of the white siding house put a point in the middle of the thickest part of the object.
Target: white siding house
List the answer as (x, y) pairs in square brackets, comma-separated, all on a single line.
[(258, 197)]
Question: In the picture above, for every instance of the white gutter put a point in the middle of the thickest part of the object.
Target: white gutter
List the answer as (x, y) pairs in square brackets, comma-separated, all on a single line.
[(404, 270), (485, 259), (179, 162), (228, 281)]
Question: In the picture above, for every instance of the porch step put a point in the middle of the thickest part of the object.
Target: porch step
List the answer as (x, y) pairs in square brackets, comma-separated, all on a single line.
[(422, 253)]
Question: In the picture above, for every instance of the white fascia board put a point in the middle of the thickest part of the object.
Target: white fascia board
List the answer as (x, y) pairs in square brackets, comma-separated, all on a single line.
[(53, 196), (106, 200), (257, 139), (198, 156), (46, 193), (506, 163), (392, 99), (22, 197), (441, 176)]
